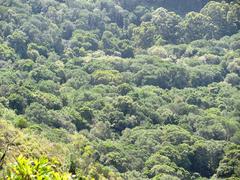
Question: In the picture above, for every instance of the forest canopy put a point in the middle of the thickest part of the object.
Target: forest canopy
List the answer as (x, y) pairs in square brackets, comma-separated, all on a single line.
[(120, 89)]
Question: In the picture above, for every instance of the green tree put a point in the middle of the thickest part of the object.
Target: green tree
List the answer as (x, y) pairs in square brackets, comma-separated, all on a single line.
[(37, 113), (207, 155), (18, 41), (7, 53), (167, 24), (144, 35), (220, 15), (17, 102), (197, 26), (229, 166)]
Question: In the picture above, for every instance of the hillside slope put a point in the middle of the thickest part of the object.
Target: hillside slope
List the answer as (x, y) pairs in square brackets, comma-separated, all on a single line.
[(116, 89)]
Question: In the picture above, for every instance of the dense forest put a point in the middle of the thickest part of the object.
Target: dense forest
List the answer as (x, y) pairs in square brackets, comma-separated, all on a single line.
[(119, 89)]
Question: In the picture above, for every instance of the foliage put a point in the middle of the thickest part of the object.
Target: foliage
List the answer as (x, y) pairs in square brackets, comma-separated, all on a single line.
[(34, 169), (119, 89)]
